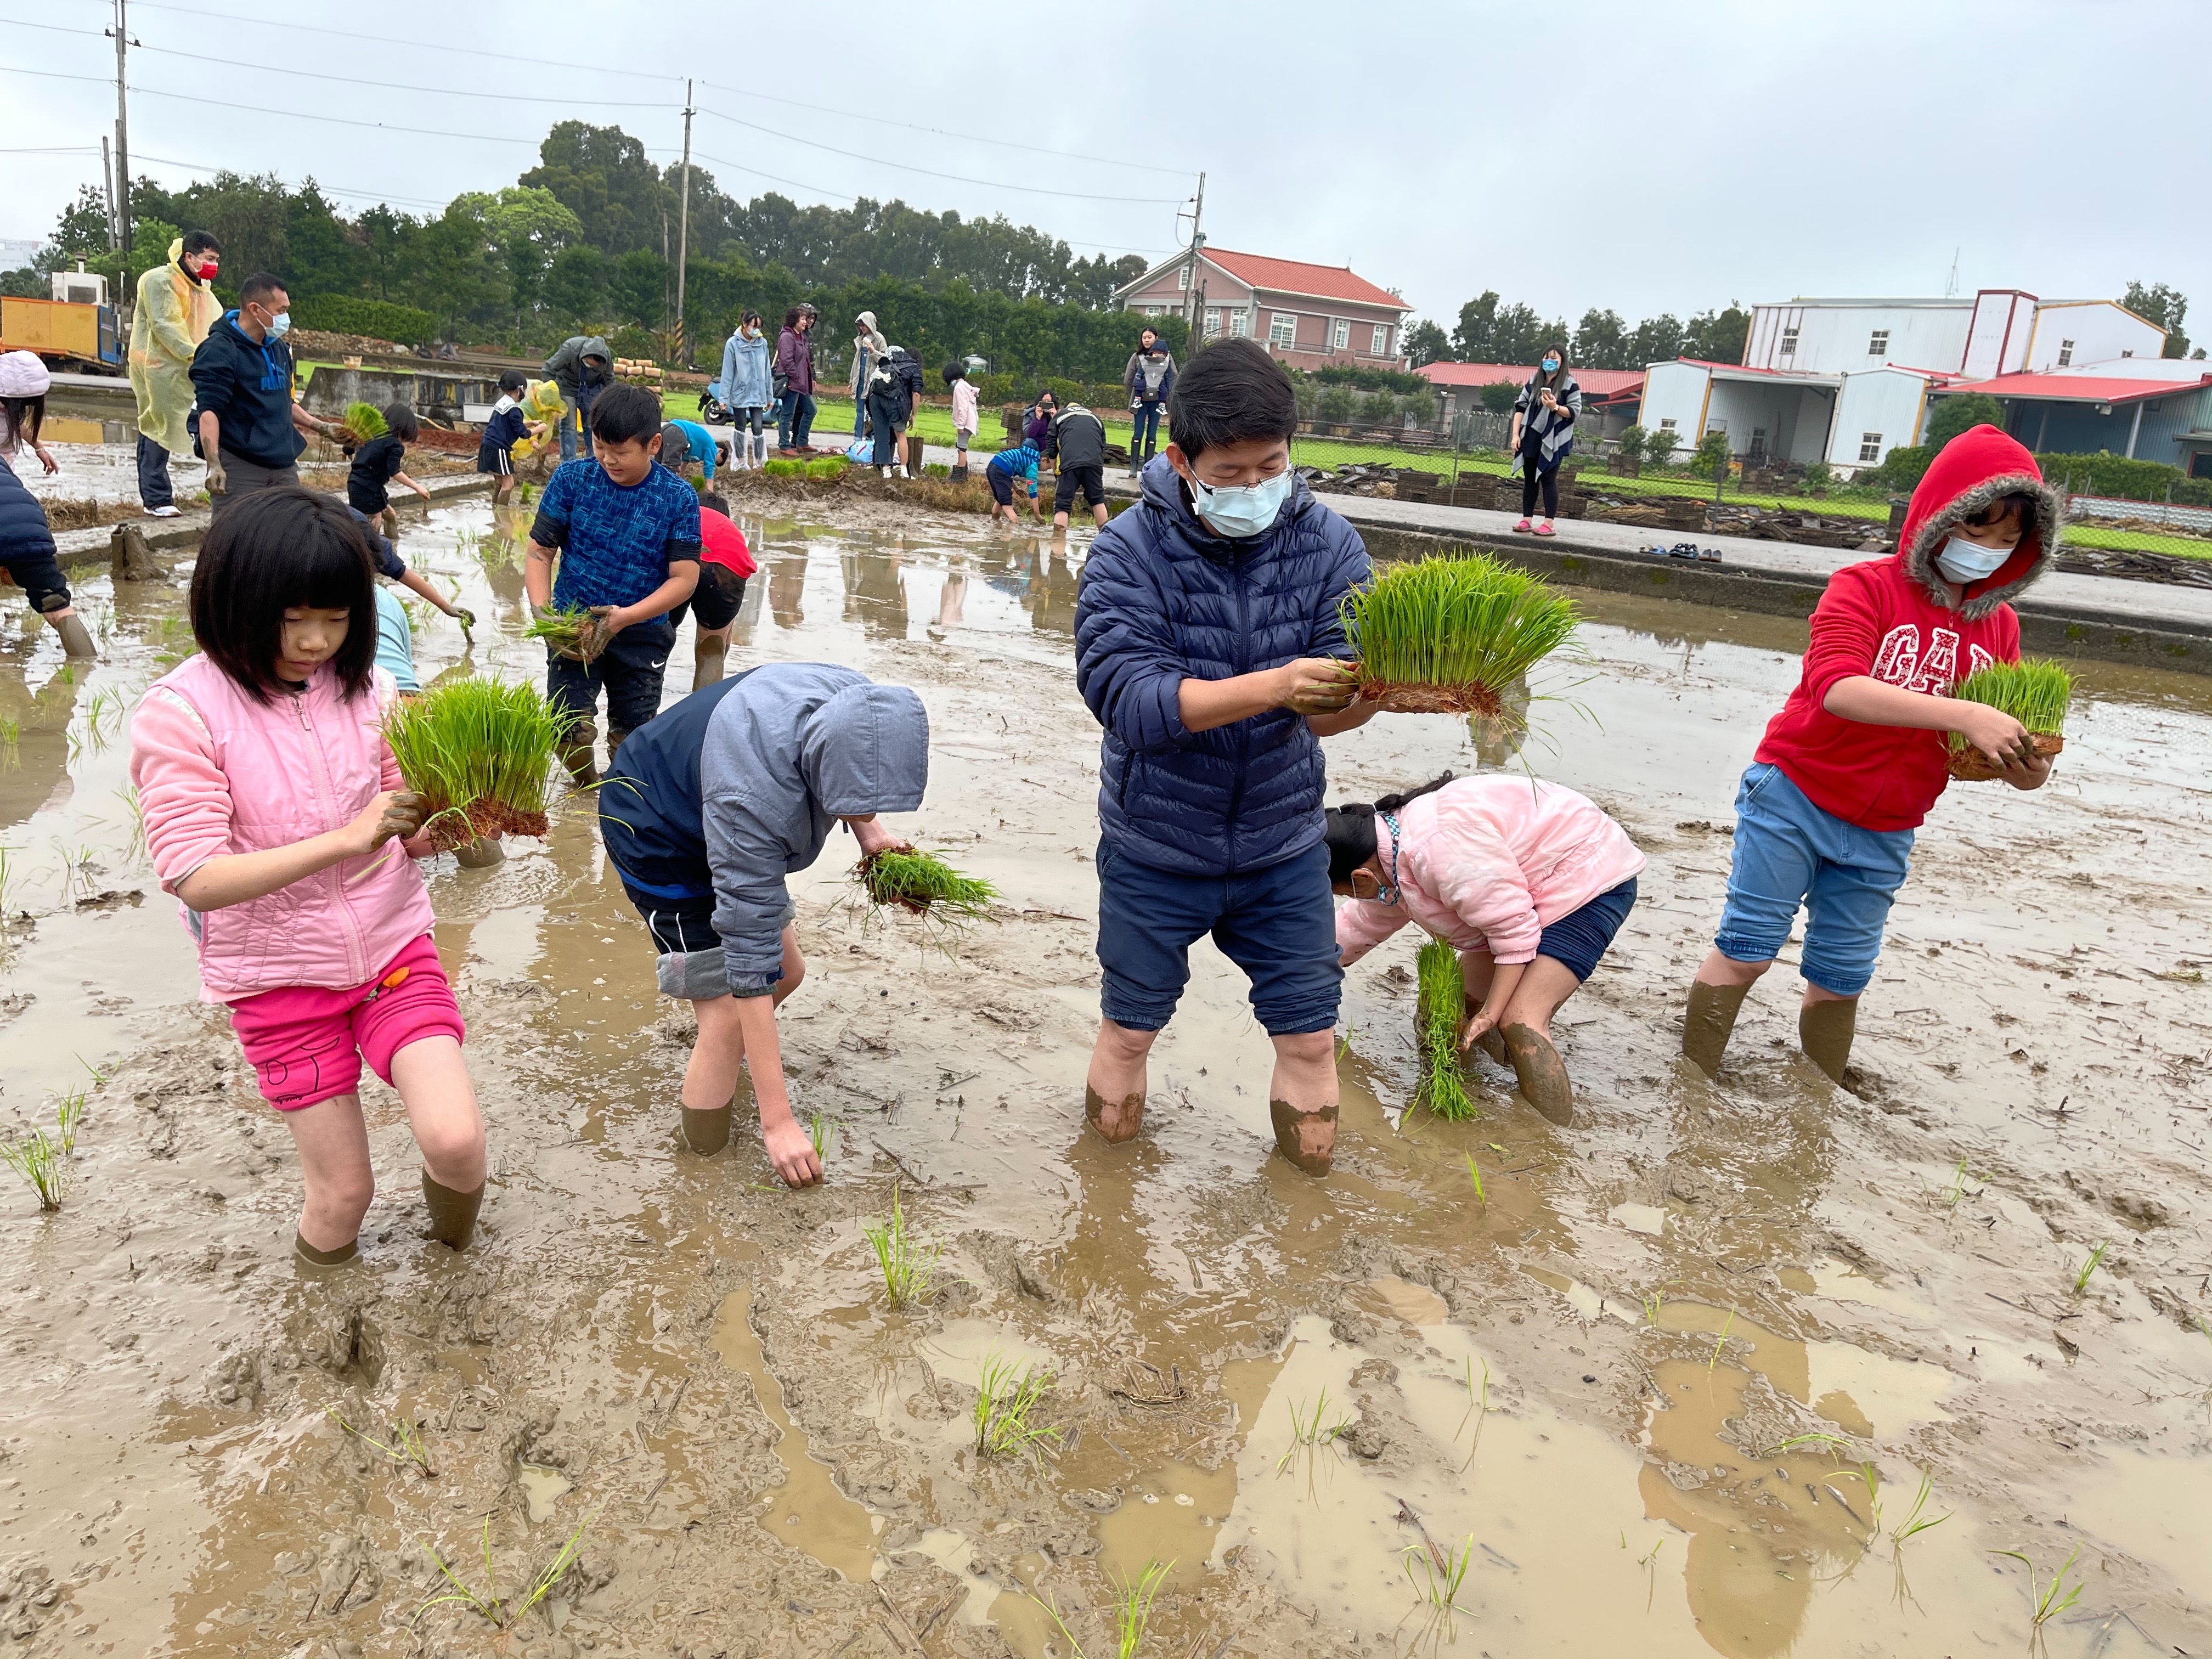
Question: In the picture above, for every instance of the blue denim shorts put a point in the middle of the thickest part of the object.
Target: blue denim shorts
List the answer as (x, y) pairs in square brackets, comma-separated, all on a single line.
[(1277, 924), (1789, 852), (1579, 937)]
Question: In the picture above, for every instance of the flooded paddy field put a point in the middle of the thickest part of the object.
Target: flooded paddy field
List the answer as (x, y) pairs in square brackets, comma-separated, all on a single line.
[(1669, 1383)]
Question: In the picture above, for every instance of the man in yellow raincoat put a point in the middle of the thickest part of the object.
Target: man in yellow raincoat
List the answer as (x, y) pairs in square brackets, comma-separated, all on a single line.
[(176, 307)]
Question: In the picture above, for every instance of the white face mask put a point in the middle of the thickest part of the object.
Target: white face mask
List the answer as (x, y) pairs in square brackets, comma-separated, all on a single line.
[(1965, 561), (1240, 510)]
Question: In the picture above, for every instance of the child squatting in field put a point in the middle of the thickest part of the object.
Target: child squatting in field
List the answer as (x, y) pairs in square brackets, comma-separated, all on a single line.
[(705, 812), (1527, 880), (270, 795), (1858, 756)]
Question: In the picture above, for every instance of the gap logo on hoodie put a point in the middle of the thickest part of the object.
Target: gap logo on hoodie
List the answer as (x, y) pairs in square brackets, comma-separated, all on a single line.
[(1902, 661)]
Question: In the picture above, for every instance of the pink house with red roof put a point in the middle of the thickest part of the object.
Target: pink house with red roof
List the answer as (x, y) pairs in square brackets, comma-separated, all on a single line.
[(1308, 316)]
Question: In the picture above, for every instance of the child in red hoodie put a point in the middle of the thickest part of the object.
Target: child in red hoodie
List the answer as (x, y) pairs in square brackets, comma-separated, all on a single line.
[(1855, 759)]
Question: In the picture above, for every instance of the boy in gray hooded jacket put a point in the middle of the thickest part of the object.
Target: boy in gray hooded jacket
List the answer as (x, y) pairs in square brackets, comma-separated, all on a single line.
[(705, 812)]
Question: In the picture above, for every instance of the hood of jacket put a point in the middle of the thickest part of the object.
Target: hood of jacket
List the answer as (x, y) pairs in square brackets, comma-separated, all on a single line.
[(1164, 488), (1972, 471), (594, 346), (866, 751), (869, 331)]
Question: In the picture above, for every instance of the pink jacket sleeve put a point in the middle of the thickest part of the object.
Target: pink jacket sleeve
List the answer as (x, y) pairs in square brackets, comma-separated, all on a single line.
[(1362, 923), (1475, 875), (182, 793)]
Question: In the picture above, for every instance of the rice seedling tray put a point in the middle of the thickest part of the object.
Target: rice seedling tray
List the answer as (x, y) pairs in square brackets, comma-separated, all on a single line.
[(2035, 691), (1452, 635), (480, 753)]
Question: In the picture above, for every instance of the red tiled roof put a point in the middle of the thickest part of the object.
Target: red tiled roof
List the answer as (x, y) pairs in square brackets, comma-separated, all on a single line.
[(2081, 388), (1295, 276), (1596, 382)]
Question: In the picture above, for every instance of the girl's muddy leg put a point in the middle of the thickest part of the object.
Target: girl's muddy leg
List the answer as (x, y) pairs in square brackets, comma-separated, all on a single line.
[(1475, 969), (1825, 1026), (441, 1110), (1114, 1092), (1527, 1030), (1302, 1099), (332, 1142), (1715, 998)]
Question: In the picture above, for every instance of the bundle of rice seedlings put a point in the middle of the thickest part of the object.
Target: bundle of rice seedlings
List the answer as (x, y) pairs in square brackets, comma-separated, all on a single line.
[(363, 422), (1441, 1004), (480, 753), (784, 466), (1450, 636), (2035, 691), (570, 631), (828, 469), (923, 885)]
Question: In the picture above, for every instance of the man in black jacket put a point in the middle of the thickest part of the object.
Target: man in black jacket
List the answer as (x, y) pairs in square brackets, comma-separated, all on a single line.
[(251, 432), (1079, 439)]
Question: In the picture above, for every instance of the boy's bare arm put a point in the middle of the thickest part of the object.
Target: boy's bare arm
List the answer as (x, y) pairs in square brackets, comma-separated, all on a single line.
[(537, 576)]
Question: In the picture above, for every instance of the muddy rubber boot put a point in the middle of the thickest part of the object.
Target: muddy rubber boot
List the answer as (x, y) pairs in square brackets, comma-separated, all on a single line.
[(707, 1133), (480, 854), (315, 1258), (452, 1215), (707, 664), (1825, 1031), (1095, 1109), (615, 736), (1542, 1073), (1307, 1139), (577, 756), (1710, 1023), (76, 642)]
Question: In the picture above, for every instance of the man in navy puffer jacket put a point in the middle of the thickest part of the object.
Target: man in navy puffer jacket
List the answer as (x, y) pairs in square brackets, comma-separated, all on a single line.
[(1208, 645)]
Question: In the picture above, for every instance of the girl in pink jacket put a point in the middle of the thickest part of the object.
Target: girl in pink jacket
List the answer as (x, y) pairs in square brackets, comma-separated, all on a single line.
[(1527, 879), (270, 796)]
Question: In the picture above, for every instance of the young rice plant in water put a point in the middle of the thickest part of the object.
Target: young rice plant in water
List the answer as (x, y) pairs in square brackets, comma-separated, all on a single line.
[(1442, 1002), (496, 1610), (568, 630), (1452, 635), (1006, 1405), (42, 1159), (909, 1266), (480, 753)]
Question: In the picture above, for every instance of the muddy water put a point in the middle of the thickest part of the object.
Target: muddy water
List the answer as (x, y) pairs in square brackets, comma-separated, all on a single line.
[(1643, 1394)]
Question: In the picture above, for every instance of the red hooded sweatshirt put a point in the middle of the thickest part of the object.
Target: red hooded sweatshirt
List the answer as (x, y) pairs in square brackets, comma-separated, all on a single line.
[(1887, 618)]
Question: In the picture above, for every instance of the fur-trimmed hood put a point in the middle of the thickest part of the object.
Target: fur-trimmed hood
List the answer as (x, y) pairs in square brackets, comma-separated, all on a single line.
[(1974, 469)]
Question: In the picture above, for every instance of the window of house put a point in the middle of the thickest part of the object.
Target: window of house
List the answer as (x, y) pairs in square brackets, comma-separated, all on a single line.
[(1240, 322), (2127, 353), (1340, 338), (2065, 354), (1213, 320), (1667, 425), (1869, 446), (1283, 330), (1381, 344), (1878, 343), (1789, 343), (1182, 277)]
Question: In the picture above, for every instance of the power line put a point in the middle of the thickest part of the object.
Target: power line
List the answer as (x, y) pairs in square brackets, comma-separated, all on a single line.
[(288, 114), (736, 166), (944, 132), (440, 92)]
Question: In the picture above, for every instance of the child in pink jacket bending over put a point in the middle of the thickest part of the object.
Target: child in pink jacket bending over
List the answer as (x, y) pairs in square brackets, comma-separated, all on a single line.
[(270, 796), (1529, 880)]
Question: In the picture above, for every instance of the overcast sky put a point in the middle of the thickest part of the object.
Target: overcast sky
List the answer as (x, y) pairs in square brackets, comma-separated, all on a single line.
[(1649, 157)]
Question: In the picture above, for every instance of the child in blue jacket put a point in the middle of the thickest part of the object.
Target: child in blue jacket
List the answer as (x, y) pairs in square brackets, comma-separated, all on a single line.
[(1005, 467)]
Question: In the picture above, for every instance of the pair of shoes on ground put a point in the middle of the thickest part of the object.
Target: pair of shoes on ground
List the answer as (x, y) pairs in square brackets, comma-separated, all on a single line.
[(162, 512), (1543, 528)]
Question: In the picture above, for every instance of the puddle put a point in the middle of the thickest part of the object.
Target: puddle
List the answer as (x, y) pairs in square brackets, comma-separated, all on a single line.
[(541, 1488), (1647, 1219)]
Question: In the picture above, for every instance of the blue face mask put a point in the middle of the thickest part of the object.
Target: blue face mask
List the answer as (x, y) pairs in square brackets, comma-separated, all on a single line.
[(280, 324), (1240, 510), (1551, 365), (1964, 561)]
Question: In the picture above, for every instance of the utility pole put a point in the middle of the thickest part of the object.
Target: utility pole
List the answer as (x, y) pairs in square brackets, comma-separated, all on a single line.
[(107, 187), (119, 201), (1191, 290), (683, 224)]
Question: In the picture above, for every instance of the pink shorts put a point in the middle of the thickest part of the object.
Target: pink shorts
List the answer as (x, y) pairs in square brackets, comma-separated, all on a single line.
[(306, 1043)]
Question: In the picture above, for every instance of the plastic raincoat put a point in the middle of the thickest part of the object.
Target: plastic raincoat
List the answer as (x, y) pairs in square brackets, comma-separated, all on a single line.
[(173, 317), (541, 402)]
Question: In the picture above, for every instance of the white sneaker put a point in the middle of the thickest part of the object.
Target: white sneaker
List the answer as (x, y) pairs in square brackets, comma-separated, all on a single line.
[(902, 470), (161, 512), (887, 472)]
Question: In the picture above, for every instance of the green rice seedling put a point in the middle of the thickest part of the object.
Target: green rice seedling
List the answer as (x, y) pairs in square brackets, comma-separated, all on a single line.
[(363, 422), (491, 1606), (129, 796), (569, 631), (822, 1130), (1815, 1438), (924, 886), (1720, 1342), (1437, 1011), (1474, 1174), (909, 1266), (1452, 635), (1656, 1299), (7, 879), (1312, 1427), (784, 467), (2053, 1598), (481, 754), (2089, 1266), (1915, 1523), (11, 735), (406, 1445), (1952, 1194), (1478, 1408), (1436, 1576), (1869, 1477), (1133, 1607), (77, 868), (828, 469), (41, 1159), (2035, 691), (1005, 1403)]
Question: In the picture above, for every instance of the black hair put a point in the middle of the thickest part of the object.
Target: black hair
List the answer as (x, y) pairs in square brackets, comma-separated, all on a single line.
[(274, 549), (1348, 831), (715, 502), (27, 417), (791, 318), (260, 285), (201, 241), (2018, 499), (626, 414), (1231, 392), (1150, 329), (399, 421), (749, 317), (1557, 376), (954, 371), (513, 380), (1044, 393)]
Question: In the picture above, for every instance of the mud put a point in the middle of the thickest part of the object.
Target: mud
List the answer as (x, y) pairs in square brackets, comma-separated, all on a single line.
[(1590, 1387)]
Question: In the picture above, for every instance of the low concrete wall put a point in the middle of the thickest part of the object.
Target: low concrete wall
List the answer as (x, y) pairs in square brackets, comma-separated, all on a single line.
[(432, 389)]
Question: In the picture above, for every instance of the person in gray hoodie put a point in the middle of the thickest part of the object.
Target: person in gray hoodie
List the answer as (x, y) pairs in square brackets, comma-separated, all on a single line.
[(582, 367), (747, 388), (705, 812)]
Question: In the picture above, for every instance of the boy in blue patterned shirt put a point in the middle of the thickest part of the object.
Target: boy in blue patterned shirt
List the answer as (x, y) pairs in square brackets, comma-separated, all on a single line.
[(627, 530)]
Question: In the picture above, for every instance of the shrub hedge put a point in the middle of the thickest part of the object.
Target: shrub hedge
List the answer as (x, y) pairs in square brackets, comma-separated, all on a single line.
[(376, 319), (2101, 474)]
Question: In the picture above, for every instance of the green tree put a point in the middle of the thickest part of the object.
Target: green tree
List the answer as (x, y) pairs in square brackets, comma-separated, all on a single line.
[(1498, 395), (1472, 340), (149, 247), (1427, 344), (1718, 336), (1955, 412), (2164, 306), (1656, 340), (81, 233), (1601, 340)]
